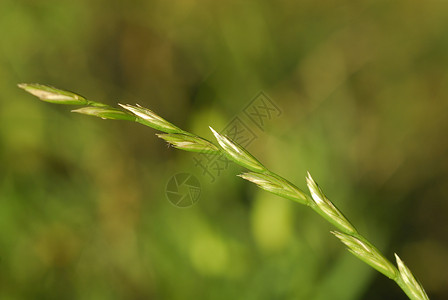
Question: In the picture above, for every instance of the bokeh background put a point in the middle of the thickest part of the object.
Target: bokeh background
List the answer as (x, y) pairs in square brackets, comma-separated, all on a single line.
[(363, 89)]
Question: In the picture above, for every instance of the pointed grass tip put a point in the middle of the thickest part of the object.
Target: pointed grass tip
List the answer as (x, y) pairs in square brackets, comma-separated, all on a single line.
[(149, 118), (367, 253), (53, 95), (188, 142), (237, 153), (105, 113), (411, 282), (327, 207), (278, 186)]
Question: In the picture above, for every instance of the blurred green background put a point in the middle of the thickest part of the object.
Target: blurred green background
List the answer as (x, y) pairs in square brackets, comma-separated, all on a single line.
[(363, 89)]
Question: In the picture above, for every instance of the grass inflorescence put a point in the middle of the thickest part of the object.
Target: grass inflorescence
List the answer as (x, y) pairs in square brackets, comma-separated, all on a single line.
[(259, 174)]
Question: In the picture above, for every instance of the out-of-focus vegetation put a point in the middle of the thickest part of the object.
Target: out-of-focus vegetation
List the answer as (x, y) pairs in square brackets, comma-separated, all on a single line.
[(363, 89)]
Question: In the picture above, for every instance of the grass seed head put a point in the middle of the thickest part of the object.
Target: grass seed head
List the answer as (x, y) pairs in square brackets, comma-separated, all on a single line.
[(105, 113), (53, 95), (149, 118), (263, 178), (189, 142), (326, 206), (237, 153), (367, 253), (414, 286), (278, 186)]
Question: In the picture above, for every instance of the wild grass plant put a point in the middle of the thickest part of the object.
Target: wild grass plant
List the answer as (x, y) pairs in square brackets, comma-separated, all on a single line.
[(257, 173)]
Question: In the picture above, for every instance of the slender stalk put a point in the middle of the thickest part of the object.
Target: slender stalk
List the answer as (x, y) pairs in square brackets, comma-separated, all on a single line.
[(357, 244)]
